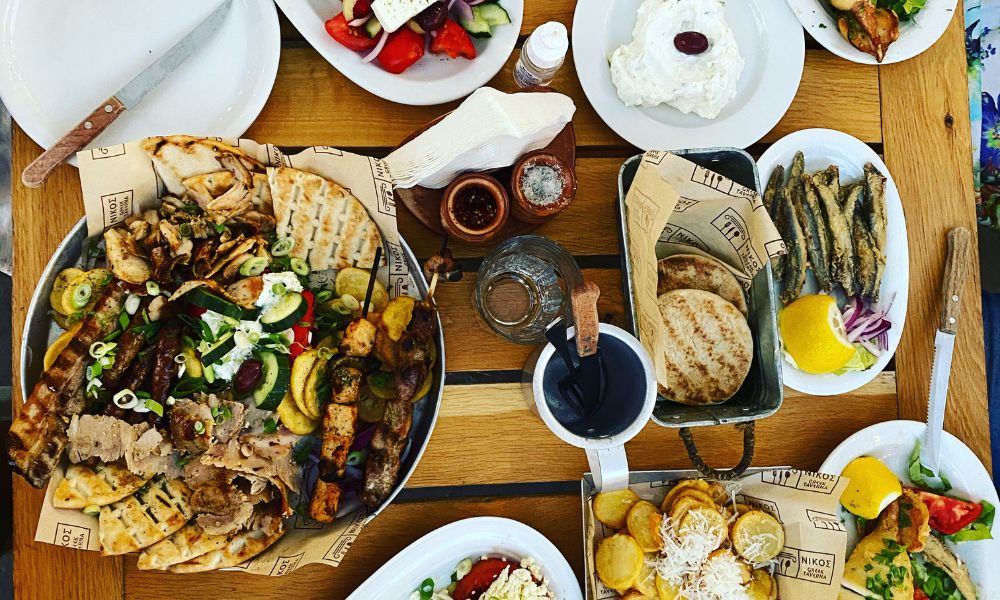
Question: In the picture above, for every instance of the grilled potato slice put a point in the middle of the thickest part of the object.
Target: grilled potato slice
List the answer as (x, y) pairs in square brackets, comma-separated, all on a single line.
[(354, 281), (665, 591), (396, 316), (301, 368), (293, 419), (637, 595), (643, 521), (619, 561), (703, 519), (610, 508), (757, 536), (762, 585), (679, 509), (645, 583), (680, 486), (702, 497), (59, 287), (313, 398)]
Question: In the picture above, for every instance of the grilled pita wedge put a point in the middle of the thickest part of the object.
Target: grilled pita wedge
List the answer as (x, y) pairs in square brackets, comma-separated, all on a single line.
[(106, 483), (331, 228), (240, 548), (180, 157), (148, 516), (186, 543)]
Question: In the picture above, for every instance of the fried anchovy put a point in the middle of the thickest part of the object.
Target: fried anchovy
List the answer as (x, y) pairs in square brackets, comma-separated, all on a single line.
[(827, 187), (773, 189), (866, 265), (875, 184), (794, 274), (852, 197), (814, 225)]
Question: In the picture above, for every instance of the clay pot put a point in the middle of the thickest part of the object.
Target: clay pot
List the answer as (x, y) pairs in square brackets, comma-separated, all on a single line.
[(522, 208), (474, 208)]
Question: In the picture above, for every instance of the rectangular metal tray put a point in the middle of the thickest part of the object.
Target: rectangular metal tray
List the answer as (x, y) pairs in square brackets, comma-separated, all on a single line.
[(762, 392)]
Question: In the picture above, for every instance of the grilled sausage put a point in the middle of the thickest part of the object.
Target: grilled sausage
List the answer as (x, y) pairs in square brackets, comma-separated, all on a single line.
[(129, 345), (388, 441), (168, 345)]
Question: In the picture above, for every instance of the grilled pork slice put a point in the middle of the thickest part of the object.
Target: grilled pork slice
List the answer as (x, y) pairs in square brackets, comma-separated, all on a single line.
[(37, 437), (339, 425), (346, 384), (220, 505), (265, 455), (359, 338), (129, 345), (324, 502), (385, 450)]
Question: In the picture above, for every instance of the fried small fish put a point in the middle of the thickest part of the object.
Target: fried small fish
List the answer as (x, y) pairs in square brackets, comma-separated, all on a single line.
[(774, 183), (810, 215), (794, 273), (866, 267), (852, 197), (876, 215), (826, 185)]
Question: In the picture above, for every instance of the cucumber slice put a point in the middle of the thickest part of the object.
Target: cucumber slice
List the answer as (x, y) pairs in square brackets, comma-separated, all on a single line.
[(349, 9), (478, 27), (373, 28), (220, 348), (274, 378), (209, 301), (286, 312), (492, 13)]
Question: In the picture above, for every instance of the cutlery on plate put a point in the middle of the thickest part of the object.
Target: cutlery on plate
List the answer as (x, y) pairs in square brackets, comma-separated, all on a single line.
[(956, 269), (127, 98)]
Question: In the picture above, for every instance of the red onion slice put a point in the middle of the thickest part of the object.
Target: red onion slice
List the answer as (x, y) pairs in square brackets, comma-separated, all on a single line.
[(360, 21), (475, 2), (463, 9), (378, 47)]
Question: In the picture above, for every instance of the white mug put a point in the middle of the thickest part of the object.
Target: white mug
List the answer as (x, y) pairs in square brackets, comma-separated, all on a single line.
[(627, 407)]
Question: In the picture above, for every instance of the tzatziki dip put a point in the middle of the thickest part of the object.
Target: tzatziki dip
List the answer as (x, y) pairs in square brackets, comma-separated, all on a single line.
[(682, 53)]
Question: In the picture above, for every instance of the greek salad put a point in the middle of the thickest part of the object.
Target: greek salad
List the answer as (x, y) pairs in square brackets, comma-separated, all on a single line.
[(489, 578)]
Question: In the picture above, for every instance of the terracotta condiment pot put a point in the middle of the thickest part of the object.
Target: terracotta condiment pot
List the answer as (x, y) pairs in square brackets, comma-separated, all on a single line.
[(466, 200), (524, 209)]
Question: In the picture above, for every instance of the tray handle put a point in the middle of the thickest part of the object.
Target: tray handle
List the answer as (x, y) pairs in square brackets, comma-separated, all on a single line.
[(720, 474)]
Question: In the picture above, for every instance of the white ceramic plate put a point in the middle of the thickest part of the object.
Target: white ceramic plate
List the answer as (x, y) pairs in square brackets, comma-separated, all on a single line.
[(434, 79), (822, 148), (60, 60), (769, 38), (892, 442), (915, 35), (436, 554)]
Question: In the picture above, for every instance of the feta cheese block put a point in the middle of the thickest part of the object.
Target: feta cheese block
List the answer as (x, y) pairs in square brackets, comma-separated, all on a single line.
[(393, 14)]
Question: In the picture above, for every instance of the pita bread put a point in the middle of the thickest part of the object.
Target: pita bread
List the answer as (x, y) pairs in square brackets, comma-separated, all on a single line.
[(106, 483), (695, 272), (240, 548), (180, 157), (709, 347), (148, 516), (186, 543), (331, 228)]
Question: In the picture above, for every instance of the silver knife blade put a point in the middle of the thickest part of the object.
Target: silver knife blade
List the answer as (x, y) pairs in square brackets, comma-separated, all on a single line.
[(132, 93), (930, 450)]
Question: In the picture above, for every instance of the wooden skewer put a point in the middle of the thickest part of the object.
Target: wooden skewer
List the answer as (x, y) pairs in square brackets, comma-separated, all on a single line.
[(371, 281), (435, 276)]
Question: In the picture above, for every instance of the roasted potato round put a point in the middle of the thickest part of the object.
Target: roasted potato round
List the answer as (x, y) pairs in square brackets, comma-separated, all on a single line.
[(665, 591), (645, 583), (704, 519), (619, 561), (680, 486), (610, 508), (757, 536), (762, 585), (643, 521)]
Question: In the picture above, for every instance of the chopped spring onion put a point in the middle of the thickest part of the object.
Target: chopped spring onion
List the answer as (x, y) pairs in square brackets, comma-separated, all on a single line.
[(106, 361), (180, 358), (125, 399), (356, 457), (94, 371), (325, 352), (153, 405), (132, 304), (337, 306), (92, 510), (279, 289), (199, 427), (123, 321), (81, 295), (171, 400), (323, 296), (253, 266), (299, 266), (99, 349), (282, 246), (242, 339), (350, 302), (462, 568), (270, 425), (426, 589), (185, 229), (152, 288)]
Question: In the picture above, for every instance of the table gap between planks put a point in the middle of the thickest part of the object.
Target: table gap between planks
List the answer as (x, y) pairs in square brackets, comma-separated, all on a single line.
[(488, 454)]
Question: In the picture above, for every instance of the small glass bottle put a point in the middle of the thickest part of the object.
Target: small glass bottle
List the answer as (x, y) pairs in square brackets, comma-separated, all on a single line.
[(543, 53)]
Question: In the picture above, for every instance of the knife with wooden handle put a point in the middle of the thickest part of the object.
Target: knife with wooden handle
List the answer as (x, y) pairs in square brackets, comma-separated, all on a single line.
[(956, 270), (127, 98)]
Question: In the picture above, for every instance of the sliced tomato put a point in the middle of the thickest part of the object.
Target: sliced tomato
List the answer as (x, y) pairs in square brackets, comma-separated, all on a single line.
[(480, 578), (303, 328), (949, 515), (401, 50), (452, 40), (195, 310), (918, 594), (349, 37)]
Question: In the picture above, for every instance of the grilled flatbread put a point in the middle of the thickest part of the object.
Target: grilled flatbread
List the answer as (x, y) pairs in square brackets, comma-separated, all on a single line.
[(241, 547), (709, 347), (153, 513), (331, 228), (695, 272), (180, 157), (186, 543), (106, 483)]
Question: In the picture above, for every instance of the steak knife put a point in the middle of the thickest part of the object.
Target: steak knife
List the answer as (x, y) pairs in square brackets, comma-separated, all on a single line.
[(128, 97), (956, 269)]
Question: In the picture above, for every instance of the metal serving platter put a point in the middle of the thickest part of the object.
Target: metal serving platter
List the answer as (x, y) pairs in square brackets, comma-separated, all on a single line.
[(762, 392), (40, 330)]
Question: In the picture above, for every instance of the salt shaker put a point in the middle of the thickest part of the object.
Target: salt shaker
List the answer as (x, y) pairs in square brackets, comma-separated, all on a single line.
[(542, 55)]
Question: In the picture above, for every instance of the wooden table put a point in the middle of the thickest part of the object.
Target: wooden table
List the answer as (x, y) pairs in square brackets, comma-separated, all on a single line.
[(488, 454)]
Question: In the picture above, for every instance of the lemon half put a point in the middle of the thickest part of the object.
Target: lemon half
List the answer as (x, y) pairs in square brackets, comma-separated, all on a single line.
[(813, 334), (872, 488)]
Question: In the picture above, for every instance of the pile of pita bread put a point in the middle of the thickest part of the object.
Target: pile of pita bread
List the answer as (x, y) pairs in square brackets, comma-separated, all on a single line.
[(709, 347)]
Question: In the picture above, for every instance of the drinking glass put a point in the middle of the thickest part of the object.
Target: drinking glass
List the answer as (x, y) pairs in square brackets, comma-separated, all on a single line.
[(523, 285)]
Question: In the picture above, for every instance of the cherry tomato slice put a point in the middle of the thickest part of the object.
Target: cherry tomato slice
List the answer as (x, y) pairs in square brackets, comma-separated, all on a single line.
[(918, 594), (349, 37), (401, 50), (303, 328), (480, 578), (452, 40), (949, 515)]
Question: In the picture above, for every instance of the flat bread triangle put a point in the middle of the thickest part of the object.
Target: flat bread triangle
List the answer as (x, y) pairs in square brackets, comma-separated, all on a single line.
[(99, 486), (190, 541), (151, 514), (240, 548), (331, 228)]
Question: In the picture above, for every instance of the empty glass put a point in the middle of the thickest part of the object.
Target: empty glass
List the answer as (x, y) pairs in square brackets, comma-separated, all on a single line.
[(523, 285)]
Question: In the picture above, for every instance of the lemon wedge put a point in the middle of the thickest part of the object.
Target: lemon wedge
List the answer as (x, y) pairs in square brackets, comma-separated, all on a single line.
[(813, 334), (873, 487)]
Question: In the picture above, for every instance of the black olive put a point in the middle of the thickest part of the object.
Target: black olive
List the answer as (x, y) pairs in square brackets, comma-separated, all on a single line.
[(432, 17), (691, 42)]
